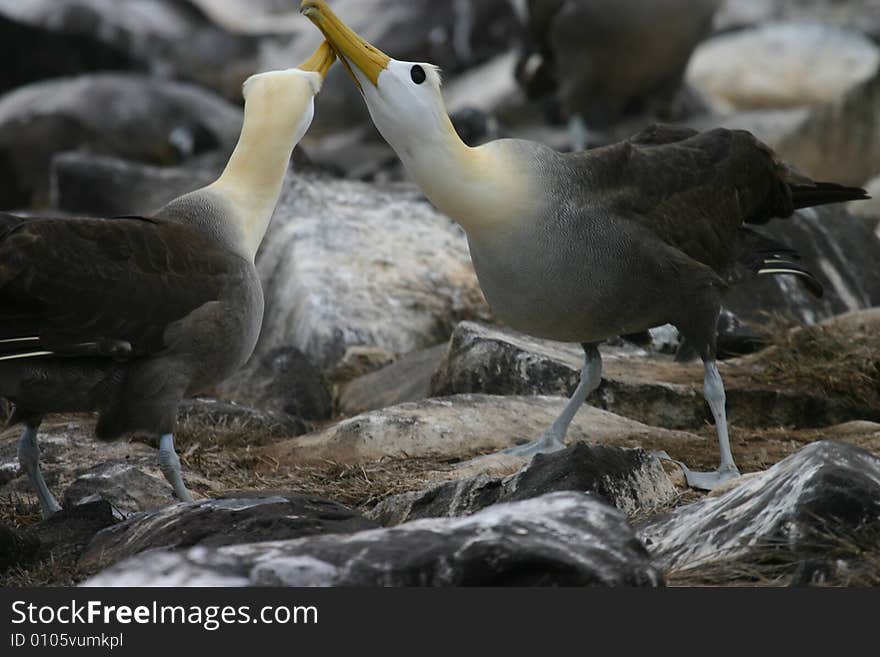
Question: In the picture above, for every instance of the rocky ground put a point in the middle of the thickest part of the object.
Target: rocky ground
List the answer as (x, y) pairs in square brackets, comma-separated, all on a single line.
[(352, 449)]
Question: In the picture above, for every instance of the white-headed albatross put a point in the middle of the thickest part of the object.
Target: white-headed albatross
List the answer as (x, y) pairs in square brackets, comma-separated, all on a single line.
[(126, 316), (586, 246)]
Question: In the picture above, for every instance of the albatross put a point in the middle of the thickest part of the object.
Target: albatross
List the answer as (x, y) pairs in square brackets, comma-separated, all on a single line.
[(607, 59), (126, 316), (586, 246)]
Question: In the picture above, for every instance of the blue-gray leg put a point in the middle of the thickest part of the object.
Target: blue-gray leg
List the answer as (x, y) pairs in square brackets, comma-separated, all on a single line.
[(553, 439), (713, 389), (169, 463), (29, 459)]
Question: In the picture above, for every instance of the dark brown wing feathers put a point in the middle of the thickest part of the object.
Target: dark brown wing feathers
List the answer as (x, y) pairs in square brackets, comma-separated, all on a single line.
[(695, 191), (102, 287)]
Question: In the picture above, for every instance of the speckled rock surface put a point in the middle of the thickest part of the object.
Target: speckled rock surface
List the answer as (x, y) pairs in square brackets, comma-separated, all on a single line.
[(458, 427), (563, 539), (342, 257), (800, 508), (630, 479)]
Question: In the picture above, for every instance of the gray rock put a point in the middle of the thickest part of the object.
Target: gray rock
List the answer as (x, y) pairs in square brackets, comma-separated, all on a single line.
[(653, 390), (284, 381), (252, 518), (458, 427), (407, 380), (126, 486), (782, 65), (342, 257), (809, 506), (131, 117), (563, 539), (630, 479)]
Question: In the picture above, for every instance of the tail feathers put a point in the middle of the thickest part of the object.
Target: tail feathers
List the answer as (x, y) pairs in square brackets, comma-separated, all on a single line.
[(809, 194), (36, 347)]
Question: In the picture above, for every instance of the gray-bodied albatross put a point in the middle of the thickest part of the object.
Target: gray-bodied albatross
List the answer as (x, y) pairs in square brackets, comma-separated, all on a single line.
[(585, 246), (126, 316), (607, 59)]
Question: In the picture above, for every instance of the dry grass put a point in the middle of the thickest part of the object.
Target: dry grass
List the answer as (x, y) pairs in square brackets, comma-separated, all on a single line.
[(829, 557), (838, 362)]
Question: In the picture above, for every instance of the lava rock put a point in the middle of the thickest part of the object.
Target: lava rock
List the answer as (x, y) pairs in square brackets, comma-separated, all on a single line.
[(65, 535), (809, 506), (285, 381), (250, 518), (458, 427), (341, 257), (131, 117), (407, 380), (562, 539), (630, 479), (127, 487)]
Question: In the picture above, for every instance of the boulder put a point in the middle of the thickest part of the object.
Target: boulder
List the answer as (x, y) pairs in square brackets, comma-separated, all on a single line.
[(782, 65), (130, 117), (407, 380), (252, 518), (462, 426), (342, 257), (651, 389), (128, 488), (562, 539), (820, 504), (283, 381), (630, 479)]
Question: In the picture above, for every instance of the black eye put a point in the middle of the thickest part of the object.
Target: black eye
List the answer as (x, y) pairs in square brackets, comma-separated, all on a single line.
[(418, 74)]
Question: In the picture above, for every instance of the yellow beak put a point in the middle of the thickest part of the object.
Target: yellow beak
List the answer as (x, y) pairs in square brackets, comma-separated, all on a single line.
[(350, 47), (321, 61)]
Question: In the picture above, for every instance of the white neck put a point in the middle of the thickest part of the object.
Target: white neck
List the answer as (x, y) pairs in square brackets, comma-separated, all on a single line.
[(253, 178), (486, 188)]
